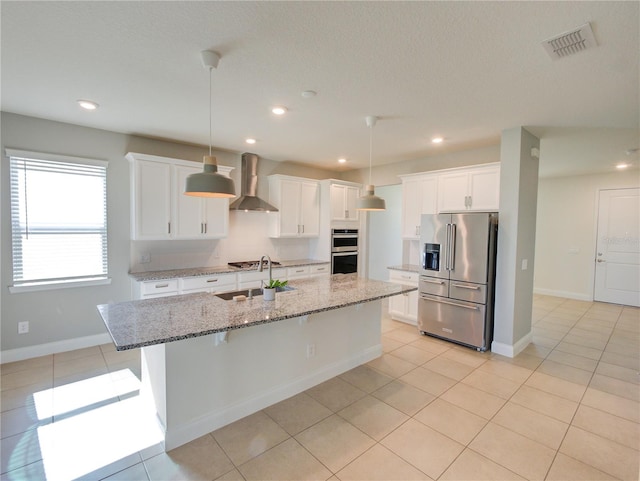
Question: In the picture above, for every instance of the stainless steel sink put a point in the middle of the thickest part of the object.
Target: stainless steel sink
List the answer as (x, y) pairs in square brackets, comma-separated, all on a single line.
[(227, 296)]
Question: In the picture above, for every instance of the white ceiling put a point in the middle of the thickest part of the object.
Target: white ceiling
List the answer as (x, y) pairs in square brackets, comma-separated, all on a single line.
[(463, 70)]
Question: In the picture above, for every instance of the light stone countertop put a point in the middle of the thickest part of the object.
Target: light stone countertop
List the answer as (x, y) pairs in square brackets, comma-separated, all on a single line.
[(147, 322), (207, 271), (406, 268)]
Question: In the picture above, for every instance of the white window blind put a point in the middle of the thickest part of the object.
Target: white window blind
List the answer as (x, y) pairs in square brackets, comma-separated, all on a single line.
[(58, 219)]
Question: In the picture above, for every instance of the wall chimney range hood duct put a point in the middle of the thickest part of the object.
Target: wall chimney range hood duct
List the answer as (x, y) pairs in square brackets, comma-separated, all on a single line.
[(248, 199)]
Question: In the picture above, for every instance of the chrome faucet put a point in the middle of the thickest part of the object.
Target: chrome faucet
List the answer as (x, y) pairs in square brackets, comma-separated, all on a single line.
[(268, 265)]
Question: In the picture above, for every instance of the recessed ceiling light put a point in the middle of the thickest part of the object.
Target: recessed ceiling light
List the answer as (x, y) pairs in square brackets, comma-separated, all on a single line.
[(622, 166), (279, 110), (342, 160), (307, 94), (87, 104), (250, 141), (437, 140)]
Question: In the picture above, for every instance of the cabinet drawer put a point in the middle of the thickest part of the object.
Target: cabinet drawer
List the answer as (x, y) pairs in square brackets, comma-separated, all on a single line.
[(159, 287), (208, 282), (320, 269), (404, 277), (297, 272)]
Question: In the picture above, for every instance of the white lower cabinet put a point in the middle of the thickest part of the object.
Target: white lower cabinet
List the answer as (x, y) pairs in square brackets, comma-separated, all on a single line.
[(152, 289), (320, 270), (215, 283), (300, 272), (404, 307)]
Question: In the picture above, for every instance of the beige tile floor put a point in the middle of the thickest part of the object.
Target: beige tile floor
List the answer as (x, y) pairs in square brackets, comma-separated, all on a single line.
[(567, 408)]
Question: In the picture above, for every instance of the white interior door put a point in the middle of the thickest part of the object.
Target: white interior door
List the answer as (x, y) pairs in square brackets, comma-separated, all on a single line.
[(617, 271)]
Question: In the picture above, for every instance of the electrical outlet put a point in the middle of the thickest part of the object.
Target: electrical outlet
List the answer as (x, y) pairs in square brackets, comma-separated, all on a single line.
[(145, 258), (23, 327), (311, 350)]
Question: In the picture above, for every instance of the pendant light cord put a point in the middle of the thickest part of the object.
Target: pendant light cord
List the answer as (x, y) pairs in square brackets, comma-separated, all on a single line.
[(210, 115), (370, 150)]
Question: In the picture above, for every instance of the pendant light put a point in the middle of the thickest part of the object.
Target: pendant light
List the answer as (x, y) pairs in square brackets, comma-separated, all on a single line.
[(209, 183), (370, 201)]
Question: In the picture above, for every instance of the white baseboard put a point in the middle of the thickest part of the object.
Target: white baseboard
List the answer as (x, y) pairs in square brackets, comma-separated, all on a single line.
[(569, 295), (209, 423), (38, 350), (512, 350)]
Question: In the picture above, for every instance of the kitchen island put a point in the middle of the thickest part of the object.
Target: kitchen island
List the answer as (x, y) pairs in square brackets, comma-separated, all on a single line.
[(207, 362)]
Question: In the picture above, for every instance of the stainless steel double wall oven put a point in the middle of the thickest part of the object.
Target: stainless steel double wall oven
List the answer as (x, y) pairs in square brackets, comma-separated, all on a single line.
[(344, 251)]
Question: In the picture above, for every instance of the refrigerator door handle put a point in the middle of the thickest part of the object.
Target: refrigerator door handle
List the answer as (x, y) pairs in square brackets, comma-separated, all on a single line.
[(475, 288), (452, 248), (448, 245), (442, 301)]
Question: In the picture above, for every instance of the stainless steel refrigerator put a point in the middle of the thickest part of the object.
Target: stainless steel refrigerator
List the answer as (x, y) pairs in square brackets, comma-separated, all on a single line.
[(458, 256)]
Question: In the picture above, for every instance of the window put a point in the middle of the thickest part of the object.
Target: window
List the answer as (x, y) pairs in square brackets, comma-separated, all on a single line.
[(58, 220)]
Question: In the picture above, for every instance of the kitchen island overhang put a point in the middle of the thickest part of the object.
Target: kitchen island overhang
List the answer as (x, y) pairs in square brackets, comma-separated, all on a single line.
[(198, 380)]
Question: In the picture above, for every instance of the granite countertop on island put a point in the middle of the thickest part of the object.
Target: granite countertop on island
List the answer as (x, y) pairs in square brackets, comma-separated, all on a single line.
[(147, 322), (212, 270)]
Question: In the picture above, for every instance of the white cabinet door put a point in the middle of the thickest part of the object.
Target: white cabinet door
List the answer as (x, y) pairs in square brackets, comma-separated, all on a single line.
[(309, 209), (453, 191), (351, 201), (197, 217), (470, 189), (404, 307), (343, 202), (298, 203), (419, 196), (188, 210), (484, 189), (289, 208), (151, 209)]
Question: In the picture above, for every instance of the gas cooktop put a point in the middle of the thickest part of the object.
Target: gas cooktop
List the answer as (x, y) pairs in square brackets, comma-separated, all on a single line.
[(252, 264)]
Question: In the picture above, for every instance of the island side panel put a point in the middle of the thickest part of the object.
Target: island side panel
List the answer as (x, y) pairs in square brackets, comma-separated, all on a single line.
[(209, 386)]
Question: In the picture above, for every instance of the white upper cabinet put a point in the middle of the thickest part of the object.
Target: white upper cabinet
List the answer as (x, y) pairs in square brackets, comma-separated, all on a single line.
[(298, 203), (419, 196), (198, 217), (470, 189), (159, 208), (343, 198), (150, 200)]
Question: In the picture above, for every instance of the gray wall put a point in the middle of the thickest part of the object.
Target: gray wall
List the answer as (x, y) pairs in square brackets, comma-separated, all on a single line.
[(385, 233)]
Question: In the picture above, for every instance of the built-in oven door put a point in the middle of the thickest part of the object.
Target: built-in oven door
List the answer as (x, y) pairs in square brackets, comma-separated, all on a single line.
[(344, 262)]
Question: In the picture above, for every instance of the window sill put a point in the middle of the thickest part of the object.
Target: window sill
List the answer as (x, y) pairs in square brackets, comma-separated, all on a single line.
[(58, 285)]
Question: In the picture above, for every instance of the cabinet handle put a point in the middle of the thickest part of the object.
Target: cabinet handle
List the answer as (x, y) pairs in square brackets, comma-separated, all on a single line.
[(321, 268), (303, 228), (205, 227), (201, 228), (212, 280), (300, 270), (346, 214), (169, 227), (405, 277), (160, 286)]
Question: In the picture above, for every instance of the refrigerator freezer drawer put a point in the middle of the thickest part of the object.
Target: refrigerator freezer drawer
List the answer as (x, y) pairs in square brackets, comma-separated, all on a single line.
[(454, 320), (434, 286), (465, 291)]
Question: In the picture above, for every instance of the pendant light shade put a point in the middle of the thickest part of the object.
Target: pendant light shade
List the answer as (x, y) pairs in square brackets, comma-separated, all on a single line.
[(370, 201), (209, 183)]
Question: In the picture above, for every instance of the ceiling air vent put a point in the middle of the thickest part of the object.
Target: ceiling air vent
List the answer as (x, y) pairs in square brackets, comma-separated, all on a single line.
[(571, 42)]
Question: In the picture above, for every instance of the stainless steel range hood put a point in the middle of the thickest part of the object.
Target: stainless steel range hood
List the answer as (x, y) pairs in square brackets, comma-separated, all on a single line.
[(248, 199)]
